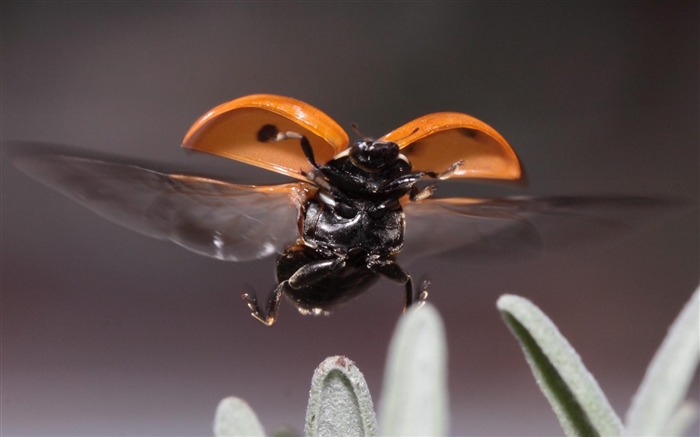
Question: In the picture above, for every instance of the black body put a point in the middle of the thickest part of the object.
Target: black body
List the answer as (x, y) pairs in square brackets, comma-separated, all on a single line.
[(351, 229)]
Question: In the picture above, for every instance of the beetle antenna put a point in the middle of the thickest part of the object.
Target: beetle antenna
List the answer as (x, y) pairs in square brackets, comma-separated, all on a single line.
[(357, 130)]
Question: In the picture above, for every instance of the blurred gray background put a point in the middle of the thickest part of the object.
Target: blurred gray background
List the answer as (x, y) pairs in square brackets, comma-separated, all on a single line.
[(106, 332)]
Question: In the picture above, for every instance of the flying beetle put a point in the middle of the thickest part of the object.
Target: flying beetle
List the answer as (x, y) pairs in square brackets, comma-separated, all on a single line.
[(353, 209), (351, 218)]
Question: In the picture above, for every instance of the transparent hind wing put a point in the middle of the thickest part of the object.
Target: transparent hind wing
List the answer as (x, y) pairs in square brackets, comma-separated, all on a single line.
[(513, 228), (469, 231), (210, 217)]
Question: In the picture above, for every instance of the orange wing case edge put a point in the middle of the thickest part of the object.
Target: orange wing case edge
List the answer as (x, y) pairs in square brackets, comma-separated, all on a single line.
[(436, 141), (231, 130)]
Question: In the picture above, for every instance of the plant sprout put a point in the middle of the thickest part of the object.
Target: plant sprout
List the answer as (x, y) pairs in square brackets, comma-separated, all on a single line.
[(415, 401), (658, 408)]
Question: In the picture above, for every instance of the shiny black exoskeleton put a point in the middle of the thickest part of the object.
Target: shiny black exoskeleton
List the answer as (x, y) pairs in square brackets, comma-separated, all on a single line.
[(351, 229)]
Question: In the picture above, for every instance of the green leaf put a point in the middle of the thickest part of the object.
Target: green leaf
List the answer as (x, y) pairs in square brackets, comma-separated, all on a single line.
[(414, 397), (234, 417), (575, 397), (668, 378), (339, 401)]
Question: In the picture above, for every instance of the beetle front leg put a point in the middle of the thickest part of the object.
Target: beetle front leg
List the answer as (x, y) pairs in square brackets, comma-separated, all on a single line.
[(445, 174), (320, 180), (416, 194)]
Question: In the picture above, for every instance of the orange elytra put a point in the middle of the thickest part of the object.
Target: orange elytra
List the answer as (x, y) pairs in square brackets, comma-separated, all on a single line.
[(431, 143), (230, 130)]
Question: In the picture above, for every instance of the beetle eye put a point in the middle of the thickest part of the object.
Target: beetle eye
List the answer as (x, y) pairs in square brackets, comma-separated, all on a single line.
[(344, 210)]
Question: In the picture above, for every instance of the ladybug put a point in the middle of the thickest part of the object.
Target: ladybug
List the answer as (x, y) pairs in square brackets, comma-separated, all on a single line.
[(342, 225), (351, 197)]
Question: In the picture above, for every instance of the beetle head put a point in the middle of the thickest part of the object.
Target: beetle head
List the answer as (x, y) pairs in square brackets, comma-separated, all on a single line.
[(373, 155)]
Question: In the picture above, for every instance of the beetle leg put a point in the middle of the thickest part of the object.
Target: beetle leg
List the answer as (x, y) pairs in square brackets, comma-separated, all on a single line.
[(445, 174), (273, 305), (315, 271), (378, 211), (417, 194), (423, 293), (404, 181), (319, 180), (409, 179), (390, 269), (304, 277)]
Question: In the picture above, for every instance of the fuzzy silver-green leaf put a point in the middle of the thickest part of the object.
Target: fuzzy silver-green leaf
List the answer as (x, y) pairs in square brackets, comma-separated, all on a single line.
[(573, 393), (235, 418), (685, 416), (339, 401), (414, 397), (654, 408)]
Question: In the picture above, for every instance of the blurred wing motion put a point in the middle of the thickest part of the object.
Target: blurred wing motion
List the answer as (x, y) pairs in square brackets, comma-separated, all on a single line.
[(218, 219), (484, 230), (231, 130), (436, 141)]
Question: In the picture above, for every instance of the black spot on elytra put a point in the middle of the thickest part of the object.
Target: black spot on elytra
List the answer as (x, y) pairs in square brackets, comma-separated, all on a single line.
[(267, 132)]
